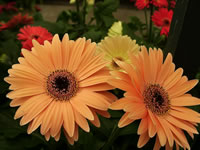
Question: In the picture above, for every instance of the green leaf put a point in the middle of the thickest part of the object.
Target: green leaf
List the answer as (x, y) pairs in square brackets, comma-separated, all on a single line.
[(11, 48), (94, 34), (64, 16), (3, 74), (38, 16), (105, 17)]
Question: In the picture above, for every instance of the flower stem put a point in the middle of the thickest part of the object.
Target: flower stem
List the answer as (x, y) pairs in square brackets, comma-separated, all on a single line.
[(77, 6), (78, 11), (111, 139), (151, 23), (84, 10), (145, 14)]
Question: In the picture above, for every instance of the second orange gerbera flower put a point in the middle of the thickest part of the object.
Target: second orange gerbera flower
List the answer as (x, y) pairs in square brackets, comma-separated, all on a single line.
[(156, 94), (60, 84)]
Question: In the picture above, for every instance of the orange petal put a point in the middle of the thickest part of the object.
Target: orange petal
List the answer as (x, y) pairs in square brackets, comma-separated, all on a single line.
[(25, 92), (173, 79), (57, 137), (151, 128), (68, 116), (177, 122), (47, 136), (184, 116), (95, 121), (82, 108), (168, 132), (124, 121), (24, 108), (69, 139), (18, 101), (103, 113), (35, 123), (143, 139), (56, 52), (157, 144), (57, 119), (166, 69), (76, 56), (99, 87), (91, 67), (185, 87), (43, 53), (94, 100), (65, 46), (81, 121), (121, 85), (161, 134), (138, 113), (35, 110), (133, 106), (35, 62), (185, 101), (121, 103), (46, 122), (143, 126)]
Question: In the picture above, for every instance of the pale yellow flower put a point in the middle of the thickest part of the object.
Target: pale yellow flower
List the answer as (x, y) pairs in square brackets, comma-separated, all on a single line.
[(72, 1), (115, 29), (90, 2), (117, 47)]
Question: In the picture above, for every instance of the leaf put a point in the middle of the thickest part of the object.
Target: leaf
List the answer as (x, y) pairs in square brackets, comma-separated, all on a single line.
[(105, 17), (38, 16), (4, 73), (64, 16), (94, 34)]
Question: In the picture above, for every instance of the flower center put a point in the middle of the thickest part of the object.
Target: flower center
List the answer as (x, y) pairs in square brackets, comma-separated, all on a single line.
[(166, 22), (114, 64), (34, 36), (156, 99), (61, 85)]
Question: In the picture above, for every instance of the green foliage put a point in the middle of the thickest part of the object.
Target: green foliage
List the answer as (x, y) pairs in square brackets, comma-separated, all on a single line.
[(103, 12)]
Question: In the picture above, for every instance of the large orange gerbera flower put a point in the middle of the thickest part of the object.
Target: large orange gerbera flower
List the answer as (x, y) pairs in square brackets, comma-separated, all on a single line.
[(156, 94), (60, 84)]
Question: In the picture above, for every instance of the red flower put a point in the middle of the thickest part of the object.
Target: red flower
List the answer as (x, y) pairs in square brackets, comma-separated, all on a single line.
[(164, 31), (17, 20), (10, 6), (29, 33), (141, 4), (172, 4), (1, 9), (162, 18), (160, 3), (37, 8)]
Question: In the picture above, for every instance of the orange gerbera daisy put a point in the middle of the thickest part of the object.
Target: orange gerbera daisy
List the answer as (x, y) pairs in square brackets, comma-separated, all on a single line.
[(156, 94), (60, 84)]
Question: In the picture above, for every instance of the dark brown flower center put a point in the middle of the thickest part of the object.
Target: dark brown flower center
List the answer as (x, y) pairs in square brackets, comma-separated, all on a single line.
[(166, 22), (156, 99), (35, 37), (114, 64), (61, 85)]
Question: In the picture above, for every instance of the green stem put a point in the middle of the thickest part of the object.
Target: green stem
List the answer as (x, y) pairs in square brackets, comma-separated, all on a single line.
[(78, 11), (77, 6), (151, 23), (111, 139), (147, 23), (84, 10)]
